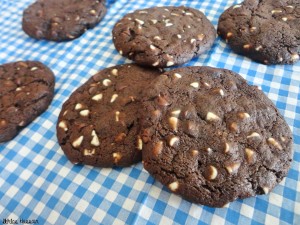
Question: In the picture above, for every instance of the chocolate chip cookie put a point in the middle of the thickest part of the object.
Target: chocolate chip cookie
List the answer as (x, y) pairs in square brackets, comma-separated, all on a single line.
[(98, 124), (65, 20), (26, 90), (211, 138), (266, 31), (163, 36)]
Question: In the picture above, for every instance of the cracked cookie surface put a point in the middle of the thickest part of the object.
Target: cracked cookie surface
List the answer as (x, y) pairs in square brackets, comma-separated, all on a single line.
[(98, 124), (26, 90), (163, 36), (65, 20), (212, 138), (267, 31)]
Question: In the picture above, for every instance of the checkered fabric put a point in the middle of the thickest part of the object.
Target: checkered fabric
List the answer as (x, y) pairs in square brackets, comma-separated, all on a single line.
[(38, 182)]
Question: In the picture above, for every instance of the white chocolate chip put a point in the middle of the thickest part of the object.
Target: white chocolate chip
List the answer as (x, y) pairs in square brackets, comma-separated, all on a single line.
[(106, 82), (156, 63), (252, 29), (249, 154), (117, 156), (232, 168), (157, 38), (175, 113), (62, 124), (152, 47), (276, 11), (121, 52), (177, 75), (206, 84), (229, 34), (175, 14), (290, 6), (213, 173), (179, 36), (236, 6), (19, 89), (93, 12), (252, 135), (221, 92), (139, 144), (212, 117), (97, 97), (141, 22), (87, 152), (170, 63), (173, 122), (195, 152), (158, 148), (95, 140), (201, 37), (209, 150), (166, 10), (258, 48), (77, 142), (189, 14), (113, 98), (244, 115), (295, 57), (227, 147), (33, 68), (195, 85), (266, 190), (273, 142), (65, 112), (284, 19), (246, 46), (174, 186), (233, 126), (78, 106), (143, 12), (114, 72), (117, 114), (193, 40), (169, 24), (173, 140), (85, 112), (154, 21)]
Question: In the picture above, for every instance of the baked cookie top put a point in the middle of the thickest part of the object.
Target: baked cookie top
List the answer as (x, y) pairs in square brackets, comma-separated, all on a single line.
[(266, 31), (26, 90), (211, 138), (163, 36), (98, 124), (65, 20)]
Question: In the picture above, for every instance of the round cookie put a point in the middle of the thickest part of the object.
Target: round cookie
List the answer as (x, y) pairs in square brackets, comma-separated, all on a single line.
[(98, 124), (163, 36), (211, 138), (26, 90), (266, 31), (65, 20)]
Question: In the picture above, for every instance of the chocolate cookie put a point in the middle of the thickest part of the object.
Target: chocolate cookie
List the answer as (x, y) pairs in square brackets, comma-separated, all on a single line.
[(98, 124), (266, 31), (211, 137), (163, 36), (26, 90), (59, 20)]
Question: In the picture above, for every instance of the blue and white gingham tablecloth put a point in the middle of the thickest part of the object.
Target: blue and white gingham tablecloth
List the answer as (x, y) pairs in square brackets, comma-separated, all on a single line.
[(37, 182)]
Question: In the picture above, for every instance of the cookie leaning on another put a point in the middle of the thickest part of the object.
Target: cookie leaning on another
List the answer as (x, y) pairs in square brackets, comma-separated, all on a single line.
[(26, 90), (98, 124), (163, 36), (211, 138)]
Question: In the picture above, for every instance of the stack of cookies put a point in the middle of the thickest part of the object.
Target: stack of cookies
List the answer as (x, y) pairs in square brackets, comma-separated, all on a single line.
[(203, 132)]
